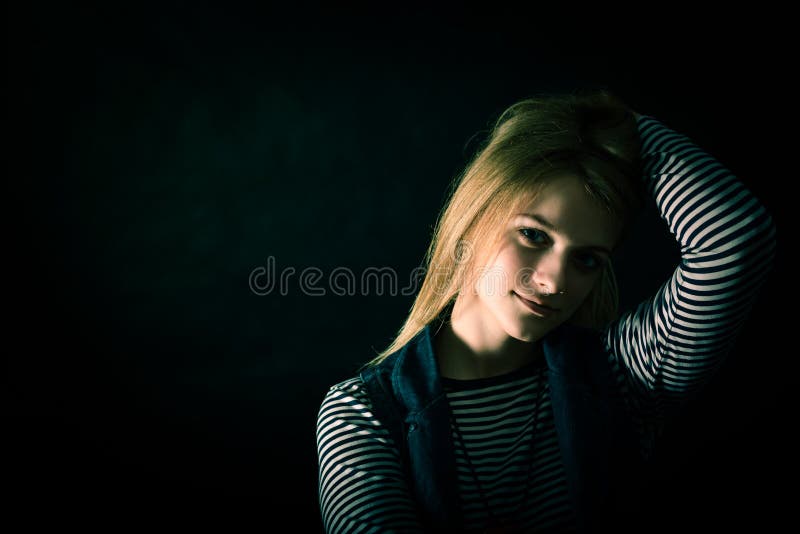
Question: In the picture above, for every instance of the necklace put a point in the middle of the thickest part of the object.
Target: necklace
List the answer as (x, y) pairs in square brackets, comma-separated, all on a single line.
[(495, 523)]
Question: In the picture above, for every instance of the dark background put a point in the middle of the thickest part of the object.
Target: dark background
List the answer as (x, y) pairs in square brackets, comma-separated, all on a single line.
[(159, 155)]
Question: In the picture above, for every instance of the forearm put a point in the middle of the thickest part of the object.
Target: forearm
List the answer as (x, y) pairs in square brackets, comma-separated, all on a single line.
[(672, 343), (711, 213)]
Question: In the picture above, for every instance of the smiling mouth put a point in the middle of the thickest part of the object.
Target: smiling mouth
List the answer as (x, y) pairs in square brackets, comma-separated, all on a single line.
[(538, 308)]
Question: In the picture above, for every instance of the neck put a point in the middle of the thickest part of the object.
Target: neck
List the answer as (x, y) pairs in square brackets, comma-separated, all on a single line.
[(467, 348)]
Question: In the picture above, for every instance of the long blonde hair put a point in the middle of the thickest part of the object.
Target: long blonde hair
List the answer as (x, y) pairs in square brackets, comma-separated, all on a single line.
[(590, 134)]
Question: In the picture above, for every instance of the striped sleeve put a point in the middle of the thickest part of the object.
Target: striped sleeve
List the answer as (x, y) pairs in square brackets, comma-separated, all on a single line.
[(361, 485), (671, 344)]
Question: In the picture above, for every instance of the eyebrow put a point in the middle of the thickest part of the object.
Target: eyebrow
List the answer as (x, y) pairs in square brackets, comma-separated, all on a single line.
[(553, 228)]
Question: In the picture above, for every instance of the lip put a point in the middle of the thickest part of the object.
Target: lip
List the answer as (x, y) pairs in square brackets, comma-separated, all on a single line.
[(538, 308)]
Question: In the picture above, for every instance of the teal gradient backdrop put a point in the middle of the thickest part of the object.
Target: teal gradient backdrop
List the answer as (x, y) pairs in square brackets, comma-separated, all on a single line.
[(161, 154)]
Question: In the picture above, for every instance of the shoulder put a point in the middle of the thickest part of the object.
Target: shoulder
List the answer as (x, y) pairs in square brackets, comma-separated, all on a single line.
[(349, 391), (346, 415), (346, 402), (353, 384)]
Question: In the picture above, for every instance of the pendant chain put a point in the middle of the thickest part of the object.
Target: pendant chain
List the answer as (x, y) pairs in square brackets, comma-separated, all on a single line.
[(540, 386)]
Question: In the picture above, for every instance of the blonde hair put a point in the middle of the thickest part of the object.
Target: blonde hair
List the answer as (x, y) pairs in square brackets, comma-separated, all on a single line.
[(589, 134)]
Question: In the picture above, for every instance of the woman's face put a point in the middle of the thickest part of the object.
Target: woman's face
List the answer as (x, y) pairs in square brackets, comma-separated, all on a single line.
[(551, 255)]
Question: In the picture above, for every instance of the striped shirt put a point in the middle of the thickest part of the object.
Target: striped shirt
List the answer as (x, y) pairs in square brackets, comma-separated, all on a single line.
[(661, 352)]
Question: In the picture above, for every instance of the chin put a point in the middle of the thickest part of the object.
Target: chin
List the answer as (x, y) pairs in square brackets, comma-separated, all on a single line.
[(530, 330), (525, 332)]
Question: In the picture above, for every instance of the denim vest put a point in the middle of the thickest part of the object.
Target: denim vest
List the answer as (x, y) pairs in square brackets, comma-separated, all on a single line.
[(595, 438)]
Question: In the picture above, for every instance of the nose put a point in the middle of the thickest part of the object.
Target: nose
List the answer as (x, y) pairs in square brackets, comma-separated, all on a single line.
[(549, 274)]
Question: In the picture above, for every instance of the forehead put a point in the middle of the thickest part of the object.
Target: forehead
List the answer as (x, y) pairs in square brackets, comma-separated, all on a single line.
[(573, 213)]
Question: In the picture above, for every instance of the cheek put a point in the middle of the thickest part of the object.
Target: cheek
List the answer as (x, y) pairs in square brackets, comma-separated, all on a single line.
[(580, 290), (497, 279), (493, 281)]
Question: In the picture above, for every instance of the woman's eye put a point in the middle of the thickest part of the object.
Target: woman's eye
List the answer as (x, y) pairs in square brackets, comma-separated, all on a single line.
[(533, 235), (589, 262)]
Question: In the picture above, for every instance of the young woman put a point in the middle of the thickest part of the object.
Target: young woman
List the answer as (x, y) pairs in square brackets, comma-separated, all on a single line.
[(515, 397)]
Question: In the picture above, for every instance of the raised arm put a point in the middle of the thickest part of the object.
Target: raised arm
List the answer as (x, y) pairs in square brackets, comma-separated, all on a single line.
[(671, 344)]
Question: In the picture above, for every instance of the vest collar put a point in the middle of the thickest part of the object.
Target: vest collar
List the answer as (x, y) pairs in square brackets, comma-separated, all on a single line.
[(415, 376)]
